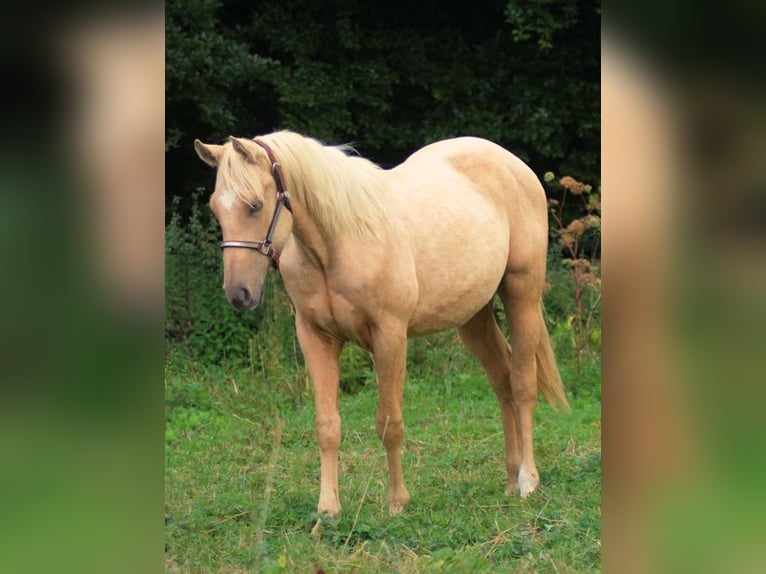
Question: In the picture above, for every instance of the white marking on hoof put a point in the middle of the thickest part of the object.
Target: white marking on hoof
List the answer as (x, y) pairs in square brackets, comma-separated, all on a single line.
[(398, 504), (528, 481)]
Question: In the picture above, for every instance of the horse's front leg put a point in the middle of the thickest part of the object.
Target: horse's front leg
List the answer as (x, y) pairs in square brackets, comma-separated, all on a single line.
[(390, 351), (321, 354)]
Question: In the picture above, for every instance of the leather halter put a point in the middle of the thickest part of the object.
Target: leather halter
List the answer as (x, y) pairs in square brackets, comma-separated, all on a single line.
[(264, 247)]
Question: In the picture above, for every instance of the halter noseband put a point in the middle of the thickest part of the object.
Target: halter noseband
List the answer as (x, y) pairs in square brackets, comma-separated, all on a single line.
[(264, 247)]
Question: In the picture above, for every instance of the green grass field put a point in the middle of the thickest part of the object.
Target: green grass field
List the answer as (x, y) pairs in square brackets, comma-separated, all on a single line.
[(242, 480)]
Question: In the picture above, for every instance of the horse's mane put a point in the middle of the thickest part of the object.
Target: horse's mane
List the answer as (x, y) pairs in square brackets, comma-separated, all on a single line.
[(344, 194)]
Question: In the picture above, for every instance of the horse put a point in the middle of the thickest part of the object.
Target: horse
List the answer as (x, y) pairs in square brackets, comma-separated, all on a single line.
[(373, 256)]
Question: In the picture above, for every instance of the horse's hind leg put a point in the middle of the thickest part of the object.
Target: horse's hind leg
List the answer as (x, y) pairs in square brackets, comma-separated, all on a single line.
[(521, 294), (483, 338)]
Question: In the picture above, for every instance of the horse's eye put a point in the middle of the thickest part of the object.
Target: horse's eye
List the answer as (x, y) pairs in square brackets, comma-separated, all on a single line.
[(255, 207)]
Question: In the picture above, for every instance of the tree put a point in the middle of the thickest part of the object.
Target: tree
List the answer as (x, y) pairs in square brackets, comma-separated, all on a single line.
[(387, 77)]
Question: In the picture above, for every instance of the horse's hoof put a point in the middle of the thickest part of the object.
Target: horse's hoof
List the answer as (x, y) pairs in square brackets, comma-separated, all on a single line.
[(397, 506), (528, 482), (394, 509), (333, 511)]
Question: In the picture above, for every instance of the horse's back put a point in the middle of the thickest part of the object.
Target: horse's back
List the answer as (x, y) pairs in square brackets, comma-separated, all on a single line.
[(456, 146)]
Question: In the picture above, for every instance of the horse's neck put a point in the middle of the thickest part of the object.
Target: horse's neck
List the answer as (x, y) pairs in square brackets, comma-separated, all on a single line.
[(310, 237), (321, 243)]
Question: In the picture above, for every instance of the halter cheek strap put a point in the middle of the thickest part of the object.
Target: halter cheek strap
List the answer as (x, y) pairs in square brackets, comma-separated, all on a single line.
[(276, 170), (265, 247)]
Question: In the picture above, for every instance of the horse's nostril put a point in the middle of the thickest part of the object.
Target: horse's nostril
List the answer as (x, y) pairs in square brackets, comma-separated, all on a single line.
[(246, 296)]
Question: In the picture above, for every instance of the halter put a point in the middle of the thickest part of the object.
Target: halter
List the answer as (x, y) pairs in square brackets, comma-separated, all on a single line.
[(264, 247)]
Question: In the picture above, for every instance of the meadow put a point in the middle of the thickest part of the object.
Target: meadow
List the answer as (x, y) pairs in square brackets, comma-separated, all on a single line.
[(242, 477)]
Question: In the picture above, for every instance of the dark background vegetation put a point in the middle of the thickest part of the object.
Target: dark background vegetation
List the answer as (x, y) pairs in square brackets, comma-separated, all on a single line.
[(388, 77)]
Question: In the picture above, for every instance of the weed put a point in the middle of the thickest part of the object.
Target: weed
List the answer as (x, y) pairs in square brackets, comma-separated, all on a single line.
[(579, 239)]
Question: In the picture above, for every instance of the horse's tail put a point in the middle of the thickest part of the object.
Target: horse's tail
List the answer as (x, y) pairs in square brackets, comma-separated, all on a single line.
[(548, 376)]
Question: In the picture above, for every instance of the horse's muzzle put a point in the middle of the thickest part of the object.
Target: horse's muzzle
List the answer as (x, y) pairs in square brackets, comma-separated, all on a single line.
[(243, 298)]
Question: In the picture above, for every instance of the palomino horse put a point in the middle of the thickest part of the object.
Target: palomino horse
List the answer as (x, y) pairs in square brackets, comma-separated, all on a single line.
[(373, 256)]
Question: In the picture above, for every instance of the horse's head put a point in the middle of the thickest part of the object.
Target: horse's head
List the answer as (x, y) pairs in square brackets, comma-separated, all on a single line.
[(244, 203)]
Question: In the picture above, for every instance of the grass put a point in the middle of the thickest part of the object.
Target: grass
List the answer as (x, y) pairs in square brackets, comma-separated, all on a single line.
[(242, 480)]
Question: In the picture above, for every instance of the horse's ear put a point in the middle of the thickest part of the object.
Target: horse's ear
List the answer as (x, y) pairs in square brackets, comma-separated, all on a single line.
[(209, 153), (244, 148)]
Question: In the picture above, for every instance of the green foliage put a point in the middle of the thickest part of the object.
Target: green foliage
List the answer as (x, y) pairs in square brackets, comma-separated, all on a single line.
[(356, 369), (542, 20), (389, 78), (206, 69)]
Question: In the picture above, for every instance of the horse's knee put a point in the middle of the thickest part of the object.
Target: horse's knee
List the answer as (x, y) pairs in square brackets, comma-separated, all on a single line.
[(390, 431), (328, 432), (524, 395)]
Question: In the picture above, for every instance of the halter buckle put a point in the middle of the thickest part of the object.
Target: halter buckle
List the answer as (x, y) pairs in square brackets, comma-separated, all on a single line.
[(266, 248)]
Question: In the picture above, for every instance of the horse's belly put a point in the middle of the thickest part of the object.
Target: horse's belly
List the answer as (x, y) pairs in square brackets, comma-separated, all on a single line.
[(451, 299)]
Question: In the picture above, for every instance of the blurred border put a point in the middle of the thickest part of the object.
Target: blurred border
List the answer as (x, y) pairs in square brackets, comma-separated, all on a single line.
[(683, 227), (81, 339), (81, 244)]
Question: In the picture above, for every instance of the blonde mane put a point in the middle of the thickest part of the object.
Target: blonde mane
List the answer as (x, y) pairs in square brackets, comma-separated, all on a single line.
[(344, 194)]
